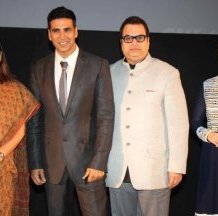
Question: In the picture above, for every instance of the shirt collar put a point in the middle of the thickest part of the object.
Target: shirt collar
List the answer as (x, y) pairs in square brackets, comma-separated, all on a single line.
[(70, 59)]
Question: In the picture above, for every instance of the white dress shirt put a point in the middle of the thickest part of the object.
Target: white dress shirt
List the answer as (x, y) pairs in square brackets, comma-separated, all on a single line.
[(71, 60)]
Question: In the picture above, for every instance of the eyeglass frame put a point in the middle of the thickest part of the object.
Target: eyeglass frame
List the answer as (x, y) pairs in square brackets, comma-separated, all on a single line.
[(136, 37)]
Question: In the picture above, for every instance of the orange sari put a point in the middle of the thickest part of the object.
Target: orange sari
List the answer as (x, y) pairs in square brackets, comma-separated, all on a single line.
[(17, 105)]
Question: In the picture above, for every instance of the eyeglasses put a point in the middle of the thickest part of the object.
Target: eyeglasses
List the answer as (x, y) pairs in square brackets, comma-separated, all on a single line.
[(129, 38)]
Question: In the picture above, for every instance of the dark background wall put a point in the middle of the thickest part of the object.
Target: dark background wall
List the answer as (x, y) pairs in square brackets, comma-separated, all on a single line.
[(196, 56)]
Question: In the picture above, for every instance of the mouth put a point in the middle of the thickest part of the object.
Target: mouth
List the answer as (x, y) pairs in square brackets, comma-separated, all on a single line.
[(63, 43), (135, 49)]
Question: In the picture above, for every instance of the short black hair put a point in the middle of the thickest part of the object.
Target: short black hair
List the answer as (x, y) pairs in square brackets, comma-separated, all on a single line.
[(134, 20), (61, 12)]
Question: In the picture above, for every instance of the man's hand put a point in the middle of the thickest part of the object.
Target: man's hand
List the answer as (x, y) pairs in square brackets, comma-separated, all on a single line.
[(38, 176), (92, 175), (174, 179)]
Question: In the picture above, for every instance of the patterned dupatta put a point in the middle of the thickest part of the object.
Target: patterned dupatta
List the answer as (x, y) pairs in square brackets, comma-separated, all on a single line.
[(17, 105)]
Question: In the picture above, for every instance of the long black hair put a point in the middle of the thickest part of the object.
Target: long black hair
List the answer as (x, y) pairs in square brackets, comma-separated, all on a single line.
[(5, 73)]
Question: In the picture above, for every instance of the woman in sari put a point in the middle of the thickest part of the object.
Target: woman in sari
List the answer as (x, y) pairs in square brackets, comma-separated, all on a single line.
[(17, 105)]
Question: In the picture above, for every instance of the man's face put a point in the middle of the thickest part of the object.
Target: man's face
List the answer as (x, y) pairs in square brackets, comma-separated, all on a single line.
[(135, 51), (62, 34)]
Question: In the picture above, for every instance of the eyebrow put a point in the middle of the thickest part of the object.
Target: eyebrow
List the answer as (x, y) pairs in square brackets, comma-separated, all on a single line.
[(58, 29)]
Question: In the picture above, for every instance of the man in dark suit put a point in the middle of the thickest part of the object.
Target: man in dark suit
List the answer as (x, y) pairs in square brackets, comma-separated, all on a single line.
[(70, 138)]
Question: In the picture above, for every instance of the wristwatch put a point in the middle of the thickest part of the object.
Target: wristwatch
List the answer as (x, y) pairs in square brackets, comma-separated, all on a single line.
[(2, 156)]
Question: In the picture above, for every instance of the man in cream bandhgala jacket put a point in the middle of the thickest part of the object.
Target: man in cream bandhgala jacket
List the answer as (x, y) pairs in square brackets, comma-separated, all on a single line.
[(151, 124)]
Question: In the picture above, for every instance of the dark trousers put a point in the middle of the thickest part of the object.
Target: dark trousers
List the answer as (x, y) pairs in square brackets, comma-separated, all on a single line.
[(92, 197)]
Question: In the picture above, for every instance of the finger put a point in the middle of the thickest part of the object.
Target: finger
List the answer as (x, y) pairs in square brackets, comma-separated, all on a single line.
[(90, 179), (170, 182), (38, 180), (171, 185), (34, 180), (42, 177), (91, 176), (36, 177), (95, 176), (86, 174), (175, 183), (100, 176), (214, 143)]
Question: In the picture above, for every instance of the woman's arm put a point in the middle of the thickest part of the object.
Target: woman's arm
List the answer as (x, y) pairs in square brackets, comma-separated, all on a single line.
[(10, 145)]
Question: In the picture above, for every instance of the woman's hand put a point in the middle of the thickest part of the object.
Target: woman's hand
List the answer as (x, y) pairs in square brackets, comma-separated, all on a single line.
[(213, 138)]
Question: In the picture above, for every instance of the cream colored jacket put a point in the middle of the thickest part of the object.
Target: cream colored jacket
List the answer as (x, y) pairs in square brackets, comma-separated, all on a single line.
[(151, 124)]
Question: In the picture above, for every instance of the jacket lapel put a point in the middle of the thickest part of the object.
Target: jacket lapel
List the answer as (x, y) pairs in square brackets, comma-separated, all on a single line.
[(76, 79), (50, 70)]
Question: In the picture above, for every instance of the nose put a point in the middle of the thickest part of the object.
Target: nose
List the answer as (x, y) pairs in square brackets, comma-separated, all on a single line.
[(134, 41), (62, 35)]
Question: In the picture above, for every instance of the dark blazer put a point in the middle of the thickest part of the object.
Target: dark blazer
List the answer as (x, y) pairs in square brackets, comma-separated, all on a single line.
[(82, 137)]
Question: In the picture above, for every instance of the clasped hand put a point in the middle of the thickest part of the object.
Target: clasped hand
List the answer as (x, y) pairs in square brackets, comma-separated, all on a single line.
[(93, 175)]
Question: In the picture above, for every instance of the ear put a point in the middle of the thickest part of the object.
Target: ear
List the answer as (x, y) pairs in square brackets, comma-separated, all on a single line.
[(49, 35), (148, 41), (76, 32)]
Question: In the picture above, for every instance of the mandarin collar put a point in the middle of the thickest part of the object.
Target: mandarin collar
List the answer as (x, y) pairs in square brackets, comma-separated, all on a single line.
[(140, 64)]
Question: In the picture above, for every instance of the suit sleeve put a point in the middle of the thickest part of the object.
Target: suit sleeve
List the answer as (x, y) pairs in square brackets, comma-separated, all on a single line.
[(198, 120), (35, 131), (177, 124), (104, 112)]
